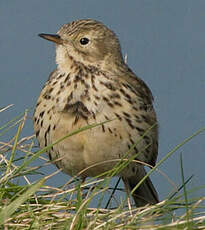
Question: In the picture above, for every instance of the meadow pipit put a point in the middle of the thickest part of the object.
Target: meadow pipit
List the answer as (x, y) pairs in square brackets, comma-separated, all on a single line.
[(92, 84)]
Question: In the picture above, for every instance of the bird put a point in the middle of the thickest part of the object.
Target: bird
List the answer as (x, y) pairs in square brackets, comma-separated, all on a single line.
[(92, 84)]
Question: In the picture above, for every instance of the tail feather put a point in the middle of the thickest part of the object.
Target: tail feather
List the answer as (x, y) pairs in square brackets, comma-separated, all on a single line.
[(145, 193)]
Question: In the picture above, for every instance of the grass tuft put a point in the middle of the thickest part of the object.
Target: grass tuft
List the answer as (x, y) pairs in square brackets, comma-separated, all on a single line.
[(28, 203)]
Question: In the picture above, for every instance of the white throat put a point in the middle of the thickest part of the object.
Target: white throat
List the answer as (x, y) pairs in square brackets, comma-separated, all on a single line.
[(63, 60)]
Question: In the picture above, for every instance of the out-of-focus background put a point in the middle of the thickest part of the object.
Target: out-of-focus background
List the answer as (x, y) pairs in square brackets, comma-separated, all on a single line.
[(165, 44)]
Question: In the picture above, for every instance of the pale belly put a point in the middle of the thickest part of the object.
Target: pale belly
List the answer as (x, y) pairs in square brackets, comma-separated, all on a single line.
[(89, 152)]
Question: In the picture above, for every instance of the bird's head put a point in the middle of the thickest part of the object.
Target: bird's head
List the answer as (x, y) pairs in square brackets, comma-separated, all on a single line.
[(88, 42)]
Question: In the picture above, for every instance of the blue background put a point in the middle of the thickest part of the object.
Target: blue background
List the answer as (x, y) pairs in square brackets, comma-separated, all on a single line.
[(165, 44)]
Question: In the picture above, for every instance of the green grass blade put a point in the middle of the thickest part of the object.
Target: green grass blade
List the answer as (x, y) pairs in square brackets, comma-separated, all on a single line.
[(7, 211)]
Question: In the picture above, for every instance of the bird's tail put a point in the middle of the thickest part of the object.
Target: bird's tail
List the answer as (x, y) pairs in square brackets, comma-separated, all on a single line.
[(145, 193)]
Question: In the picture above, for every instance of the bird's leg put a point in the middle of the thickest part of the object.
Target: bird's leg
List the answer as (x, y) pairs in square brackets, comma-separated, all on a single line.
[(112, 194), (128, 194), (81, 187)]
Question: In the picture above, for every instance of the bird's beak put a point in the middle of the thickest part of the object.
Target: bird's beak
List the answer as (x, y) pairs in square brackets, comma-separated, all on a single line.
[(52, 37)]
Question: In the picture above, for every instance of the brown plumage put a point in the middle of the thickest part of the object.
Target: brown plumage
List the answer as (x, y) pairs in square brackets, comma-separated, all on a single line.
[(93, 84)]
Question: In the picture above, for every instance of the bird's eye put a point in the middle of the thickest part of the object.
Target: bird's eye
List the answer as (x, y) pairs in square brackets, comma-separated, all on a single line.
[(84, 41)]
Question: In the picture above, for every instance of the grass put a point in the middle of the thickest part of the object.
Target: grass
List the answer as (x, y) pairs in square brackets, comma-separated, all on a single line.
[(26, 203)]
